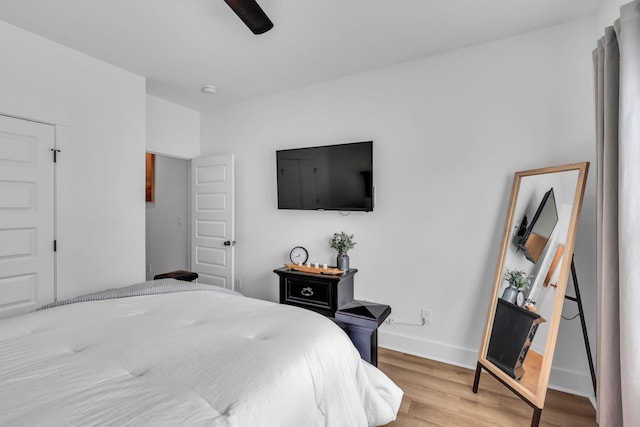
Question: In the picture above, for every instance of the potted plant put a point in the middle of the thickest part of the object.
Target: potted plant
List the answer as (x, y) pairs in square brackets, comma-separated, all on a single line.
[(518, 281), (342, 242)]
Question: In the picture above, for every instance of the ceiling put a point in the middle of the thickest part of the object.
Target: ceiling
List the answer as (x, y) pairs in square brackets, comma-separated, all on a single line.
[(181, 45)]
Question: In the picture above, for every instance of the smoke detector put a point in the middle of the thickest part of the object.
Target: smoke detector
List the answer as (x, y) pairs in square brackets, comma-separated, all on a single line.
[(209, 89)]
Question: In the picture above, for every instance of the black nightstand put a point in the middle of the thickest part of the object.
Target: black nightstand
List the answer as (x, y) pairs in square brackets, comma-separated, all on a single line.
[(513, 331), (185, 276), (322, 293), (360, 320)]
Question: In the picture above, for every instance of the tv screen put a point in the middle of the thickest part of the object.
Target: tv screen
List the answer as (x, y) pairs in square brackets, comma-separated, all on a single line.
[(537, 234), (331, 177)]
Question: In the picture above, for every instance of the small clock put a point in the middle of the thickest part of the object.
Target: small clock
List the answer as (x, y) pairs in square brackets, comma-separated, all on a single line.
[(520, 299), (299, 255)]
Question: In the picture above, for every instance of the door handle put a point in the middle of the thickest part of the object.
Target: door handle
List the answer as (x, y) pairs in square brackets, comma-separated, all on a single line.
[(230, 243)]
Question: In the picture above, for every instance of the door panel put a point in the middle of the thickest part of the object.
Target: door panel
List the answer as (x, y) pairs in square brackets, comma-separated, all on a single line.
[(212, 215), (212, 229), (26, 215)]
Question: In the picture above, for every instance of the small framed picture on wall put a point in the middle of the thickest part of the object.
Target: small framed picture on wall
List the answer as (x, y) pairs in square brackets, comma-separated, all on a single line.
[(150, 174)]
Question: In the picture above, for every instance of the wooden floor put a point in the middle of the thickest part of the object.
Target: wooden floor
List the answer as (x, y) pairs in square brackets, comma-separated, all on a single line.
[(437, 394)]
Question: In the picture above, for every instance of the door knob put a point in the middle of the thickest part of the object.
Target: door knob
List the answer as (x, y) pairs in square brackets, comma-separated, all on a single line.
[(230, 243)]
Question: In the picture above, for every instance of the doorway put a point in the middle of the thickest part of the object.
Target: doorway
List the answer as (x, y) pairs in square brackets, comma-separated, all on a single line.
[(167, 217), (190, 223)]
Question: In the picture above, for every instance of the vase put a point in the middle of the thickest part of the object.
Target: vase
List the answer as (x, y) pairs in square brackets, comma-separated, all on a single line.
[(343, 262), (510, 294)]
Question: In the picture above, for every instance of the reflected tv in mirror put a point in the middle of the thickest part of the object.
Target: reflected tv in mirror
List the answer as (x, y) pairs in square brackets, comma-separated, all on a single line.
[(537, 234), (331, 177)]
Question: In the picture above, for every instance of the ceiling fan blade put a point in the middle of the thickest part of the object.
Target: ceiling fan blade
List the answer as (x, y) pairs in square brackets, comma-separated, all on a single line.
[(251, 14)]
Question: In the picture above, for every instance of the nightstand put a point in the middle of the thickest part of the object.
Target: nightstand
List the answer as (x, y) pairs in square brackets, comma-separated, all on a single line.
[(322, 293), (185, 276), (360, 320), (513, 331)]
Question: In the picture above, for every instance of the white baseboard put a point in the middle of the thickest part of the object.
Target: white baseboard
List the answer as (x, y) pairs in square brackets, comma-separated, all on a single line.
[(564, 380), (441, 352), (572, 382)]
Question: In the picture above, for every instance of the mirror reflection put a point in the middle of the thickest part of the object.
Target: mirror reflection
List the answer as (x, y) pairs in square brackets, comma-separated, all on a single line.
[(533, 238), (520, 330), (531, 277)]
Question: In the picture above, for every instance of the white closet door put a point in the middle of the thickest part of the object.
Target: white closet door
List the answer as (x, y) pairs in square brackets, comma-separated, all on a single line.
[(26, 215), (212, 220)]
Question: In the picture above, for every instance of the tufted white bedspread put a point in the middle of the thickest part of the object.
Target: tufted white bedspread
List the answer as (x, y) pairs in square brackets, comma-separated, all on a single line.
[(191, 358)]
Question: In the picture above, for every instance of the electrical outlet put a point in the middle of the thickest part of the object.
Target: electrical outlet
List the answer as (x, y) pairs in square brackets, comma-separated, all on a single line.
[(148, 268), (426, 316), (238, 284)]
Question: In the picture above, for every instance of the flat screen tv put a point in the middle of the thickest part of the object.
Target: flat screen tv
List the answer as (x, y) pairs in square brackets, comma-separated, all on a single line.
[(331, 177), (534, 238)]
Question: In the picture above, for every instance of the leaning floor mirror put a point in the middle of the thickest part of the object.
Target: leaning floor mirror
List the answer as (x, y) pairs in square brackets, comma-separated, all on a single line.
[(530, 281)]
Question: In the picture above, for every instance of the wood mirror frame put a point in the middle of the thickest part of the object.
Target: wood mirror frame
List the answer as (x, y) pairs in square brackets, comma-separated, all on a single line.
[(527, 190)]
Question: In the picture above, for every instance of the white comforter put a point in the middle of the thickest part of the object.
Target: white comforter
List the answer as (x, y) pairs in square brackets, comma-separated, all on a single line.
[(188, 358)]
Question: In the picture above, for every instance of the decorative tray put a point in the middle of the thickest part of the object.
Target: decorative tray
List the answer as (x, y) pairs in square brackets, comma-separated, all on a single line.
[(316, 270)]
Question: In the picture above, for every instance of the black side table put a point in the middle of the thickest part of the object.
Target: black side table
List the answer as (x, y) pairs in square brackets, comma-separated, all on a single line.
[(513, 331), (185, 276), (360, 320), (322, 293)]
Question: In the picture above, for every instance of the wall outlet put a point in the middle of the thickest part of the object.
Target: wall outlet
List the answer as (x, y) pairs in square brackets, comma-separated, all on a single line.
[(426, 316), (148, 268), (238, 284)]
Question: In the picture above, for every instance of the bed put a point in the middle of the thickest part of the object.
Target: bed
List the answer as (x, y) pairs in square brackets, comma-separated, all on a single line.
[(197, 356)]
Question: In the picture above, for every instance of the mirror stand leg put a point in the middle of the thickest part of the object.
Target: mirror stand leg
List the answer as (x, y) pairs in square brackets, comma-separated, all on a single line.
[(578, 301), (476, 380), (537, 412)]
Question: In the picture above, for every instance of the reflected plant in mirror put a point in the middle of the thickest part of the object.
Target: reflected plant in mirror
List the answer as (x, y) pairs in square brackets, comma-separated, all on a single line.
[(518, 281)]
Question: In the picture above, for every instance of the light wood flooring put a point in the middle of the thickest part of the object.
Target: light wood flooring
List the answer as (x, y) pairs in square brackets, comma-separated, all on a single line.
[(438, 394)]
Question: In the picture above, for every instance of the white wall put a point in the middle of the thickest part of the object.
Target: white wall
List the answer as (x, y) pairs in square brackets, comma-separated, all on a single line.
[(449, 131), (172, 129), (167, 220), (100, 171), (607, 13)]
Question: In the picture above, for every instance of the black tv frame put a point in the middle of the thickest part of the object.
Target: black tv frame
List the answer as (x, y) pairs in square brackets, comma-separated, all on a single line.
[(368, 179), (523, 239)]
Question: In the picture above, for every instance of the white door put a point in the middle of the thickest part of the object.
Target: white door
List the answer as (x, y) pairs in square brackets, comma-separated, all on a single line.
[(212, 220), (26, 215)]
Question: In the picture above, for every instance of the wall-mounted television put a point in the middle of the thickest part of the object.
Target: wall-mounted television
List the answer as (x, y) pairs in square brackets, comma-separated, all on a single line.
[(331, 177), (534, 238)]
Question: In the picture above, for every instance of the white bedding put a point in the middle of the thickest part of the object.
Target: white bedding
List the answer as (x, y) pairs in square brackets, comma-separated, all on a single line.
[(188, 358)]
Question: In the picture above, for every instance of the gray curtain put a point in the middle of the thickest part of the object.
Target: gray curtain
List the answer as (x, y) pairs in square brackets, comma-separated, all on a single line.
[(617, 89)]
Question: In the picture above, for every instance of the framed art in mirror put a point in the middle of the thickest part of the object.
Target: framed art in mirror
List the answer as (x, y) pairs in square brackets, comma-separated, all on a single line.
[(538, 238)]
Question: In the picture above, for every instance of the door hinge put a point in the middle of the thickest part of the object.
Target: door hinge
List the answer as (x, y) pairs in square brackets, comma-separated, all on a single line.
[(55, 154), (55, 246)]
